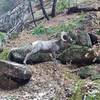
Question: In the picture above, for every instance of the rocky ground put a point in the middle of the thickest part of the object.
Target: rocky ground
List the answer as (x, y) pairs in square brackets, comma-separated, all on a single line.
[(48, 82)]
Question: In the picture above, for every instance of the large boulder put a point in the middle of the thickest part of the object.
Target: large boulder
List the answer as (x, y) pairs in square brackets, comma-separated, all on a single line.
[(83, 39), (76, 54), (18, 55), (13, 75)]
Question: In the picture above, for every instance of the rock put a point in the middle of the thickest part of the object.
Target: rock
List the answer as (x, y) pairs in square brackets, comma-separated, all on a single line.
[(13, 75), (75, 54), (84, 72), (83, 39), (79, 38), (92, 71), (18, 55)]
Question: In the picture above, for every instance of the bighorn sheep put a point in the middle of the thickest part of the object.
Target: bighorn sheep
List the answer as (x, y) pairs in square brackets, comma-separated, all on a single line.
[(50, 46)]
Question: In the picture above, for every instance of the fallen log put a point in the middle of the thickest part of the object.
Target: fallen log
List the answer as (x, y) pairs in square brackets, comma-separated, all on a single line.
[(76, 9)]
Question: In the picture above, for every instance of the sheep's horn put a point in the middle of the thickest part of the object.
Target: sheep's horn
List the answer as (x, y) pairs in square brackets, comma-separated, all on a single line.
[(63, 34)]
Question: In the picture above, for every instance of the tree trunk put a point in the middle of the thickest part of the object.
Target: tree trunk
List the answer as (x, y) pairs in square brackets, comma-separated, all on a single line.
[(43, 9), (53, 14), (30, 8)]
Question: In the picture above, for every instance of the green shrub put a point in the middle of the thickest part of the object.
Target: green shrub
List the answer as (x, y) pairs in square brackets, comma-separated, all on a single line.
[(40, 29), (4, 54), (61, 5)]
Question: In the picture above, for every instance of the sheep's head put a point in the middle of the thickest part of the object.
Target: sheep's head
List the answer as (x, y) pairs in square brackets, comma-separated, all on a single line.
[(65, 37)]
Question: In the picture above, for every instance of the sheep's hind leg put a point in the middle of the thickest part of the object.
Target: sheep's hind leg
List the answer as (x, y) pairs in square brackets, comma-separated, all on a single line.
[(54, 57)]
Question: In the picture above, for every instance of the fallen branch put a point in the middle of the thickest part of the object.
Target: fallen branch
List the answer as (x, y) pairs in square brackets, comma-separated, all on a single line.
[(78, 10)]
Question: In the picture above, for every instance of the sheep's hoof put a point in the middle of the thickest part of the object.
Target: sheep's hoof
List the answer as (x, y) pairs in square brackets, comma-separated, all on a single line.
[(24, 63), (57, 62)]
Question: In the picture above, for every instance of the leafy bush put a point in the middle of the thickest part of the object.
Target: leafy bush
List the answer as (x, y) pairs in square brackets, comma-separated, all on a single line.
[(4, 54), (40, 29)]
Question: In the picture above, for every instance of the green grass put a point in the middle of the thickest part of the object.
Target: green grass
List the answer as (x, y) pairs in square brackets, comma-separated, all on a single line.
[(68, 26)]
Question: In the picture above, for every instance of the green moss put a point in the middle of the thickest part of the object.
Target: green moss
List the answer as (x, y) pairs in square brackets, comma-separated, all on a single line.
[(72, 53), (4, 54)]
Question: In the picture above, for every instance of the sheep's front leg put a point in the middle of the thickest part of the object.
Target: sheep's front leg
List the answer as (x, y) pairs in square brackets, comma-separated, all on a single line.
[(29, 54), (27, 57)]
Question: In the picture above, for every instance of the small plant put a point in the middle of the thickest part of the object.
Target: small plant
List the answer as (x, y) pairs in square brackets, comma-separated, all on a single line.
[(98, 32), (61, 5), (4, 54), (38, 30)]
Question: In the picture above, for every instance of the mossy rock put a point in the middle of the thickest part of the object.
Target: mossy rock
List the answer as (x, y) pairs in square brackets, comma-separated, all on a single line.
[(18, 55), (74, 54), (92, 71), (84, 72)]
